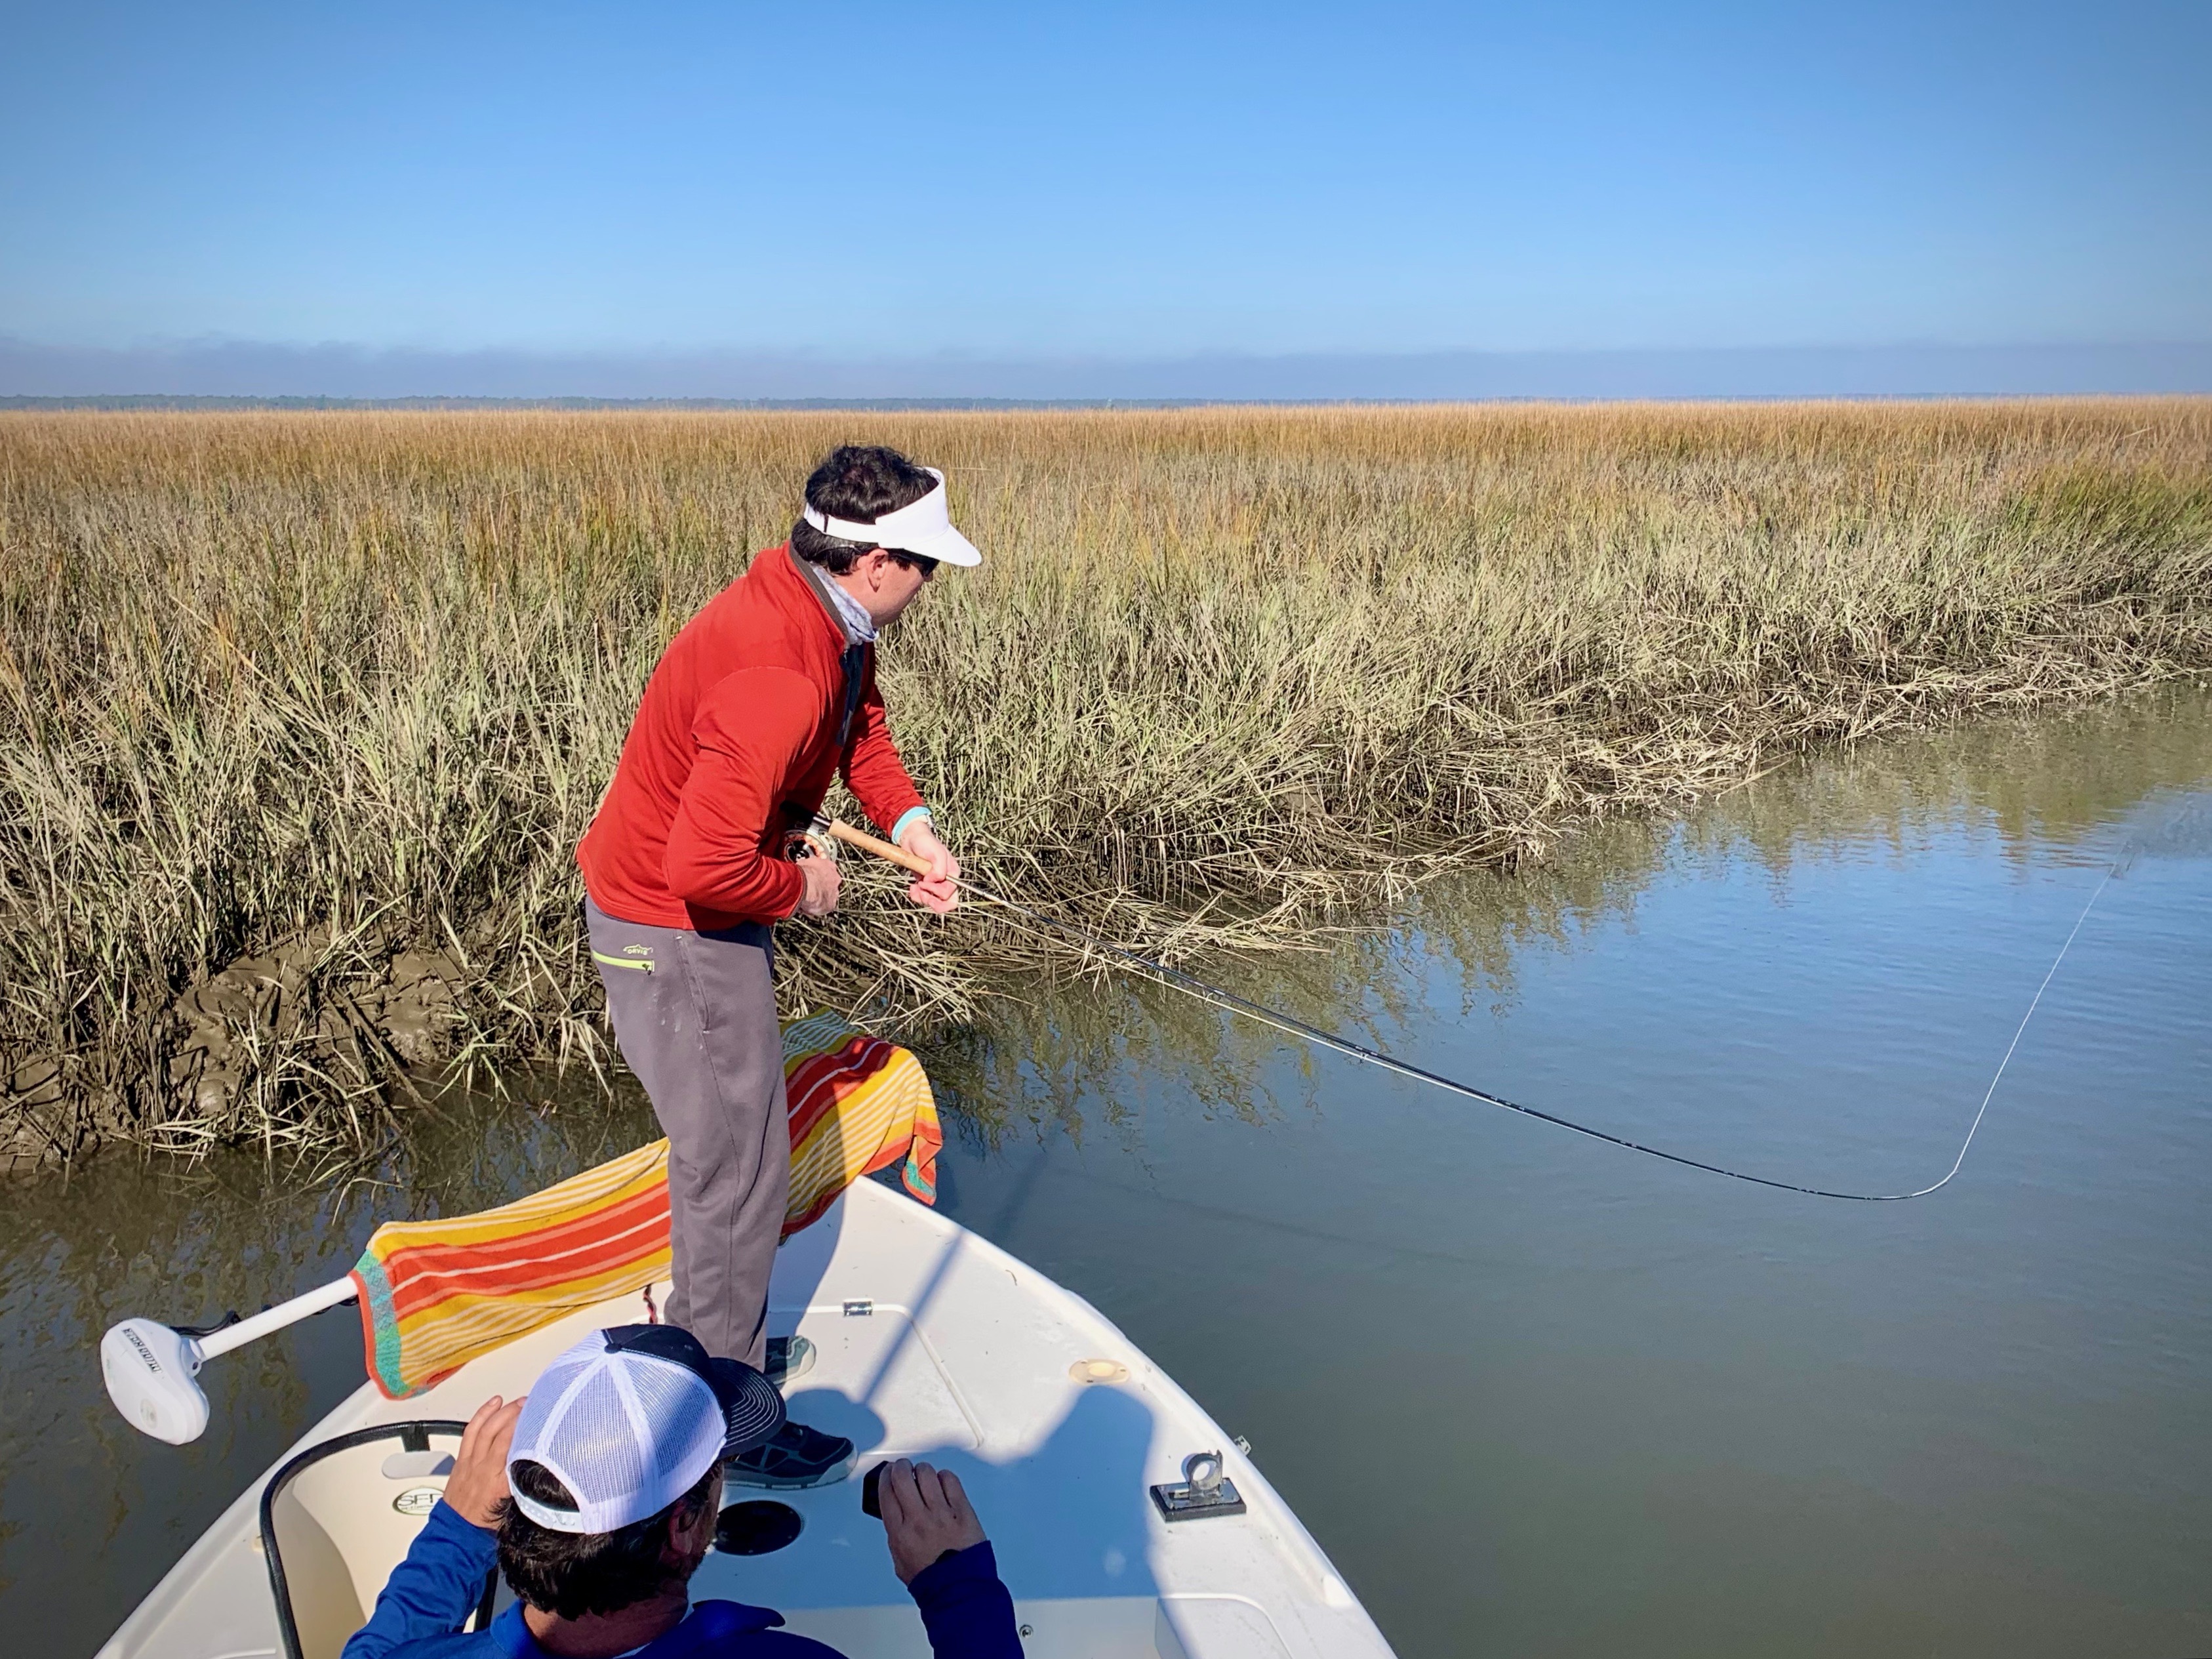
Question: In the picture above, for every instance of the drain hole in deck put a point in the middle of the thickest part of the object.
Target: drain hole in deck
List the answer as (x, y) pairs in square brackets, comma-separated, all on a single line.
[(756, 1529)]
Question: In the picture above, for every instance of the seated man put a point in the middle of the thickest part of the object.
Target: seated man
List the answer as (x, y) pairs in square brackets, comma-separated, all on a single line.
[(597, 1496)]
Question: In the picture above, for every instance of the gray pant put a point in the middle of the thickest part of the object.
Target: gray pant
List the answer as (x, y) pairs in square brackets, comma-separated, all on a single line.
[(694, 1016)]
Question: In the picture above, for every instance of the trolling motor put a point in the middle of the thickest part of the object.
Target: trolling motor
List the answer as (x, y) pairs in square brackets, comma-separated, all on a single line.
[(152, 1369)]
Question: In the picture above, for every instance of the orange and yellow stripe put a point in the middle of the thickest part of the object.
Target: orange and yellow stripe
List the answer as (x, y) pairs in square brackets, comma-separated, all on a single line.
[(436, 1294)]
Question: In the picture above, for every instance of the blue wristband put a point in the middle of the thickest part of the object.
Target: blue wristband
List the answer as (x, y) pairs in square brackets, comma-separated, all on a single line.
[(907, 818)]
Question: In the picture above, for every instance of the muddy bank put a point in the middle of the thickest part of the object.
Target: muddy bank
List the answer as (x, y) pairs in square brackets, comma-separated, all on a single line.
[(361, 1029)]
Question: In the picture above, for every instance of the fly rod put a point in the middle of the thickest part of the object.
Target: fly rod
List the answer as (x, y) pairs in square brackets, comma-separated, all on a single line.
[(1229, 1002)]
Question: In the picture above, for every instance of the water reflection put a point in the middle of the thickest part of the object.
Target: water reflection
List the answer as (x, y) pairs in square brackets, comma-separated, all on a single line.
[(2082, 788), (1598, 1403)]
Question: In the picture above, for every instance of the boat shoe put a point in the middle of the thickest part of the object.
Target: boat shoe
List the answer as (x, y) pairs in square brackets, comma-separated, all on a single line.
[(795, 1456), (787, 1359)]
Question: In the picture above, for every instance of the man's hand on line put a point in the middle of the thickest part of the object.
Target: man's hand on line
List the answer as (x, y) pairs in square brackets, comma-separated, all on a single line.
[(936, 891)]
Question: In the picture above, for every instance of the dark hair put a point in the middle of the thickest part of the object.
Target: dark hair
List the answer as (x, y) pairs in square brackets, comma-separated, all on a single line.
[(861, 482), (573, 1574)]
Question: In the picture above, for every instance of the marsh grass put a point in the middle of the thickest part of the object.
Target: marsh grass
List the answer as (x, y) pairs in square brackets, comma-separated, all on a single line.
[(306, 712)]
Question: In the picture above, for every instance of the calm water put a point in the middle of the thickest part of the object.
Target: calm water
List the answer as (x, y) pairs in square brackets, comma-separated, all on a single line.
[(1536, 1395)]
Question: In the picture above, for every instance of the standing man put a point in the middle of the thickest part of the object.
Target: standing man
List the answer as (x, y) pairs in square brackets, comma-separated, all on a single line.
[(765, 695)]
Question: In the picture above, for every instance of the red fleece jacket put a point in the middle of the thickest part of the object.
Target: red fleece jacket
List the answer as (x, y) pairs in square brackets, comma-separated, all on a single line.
[(736, 741)]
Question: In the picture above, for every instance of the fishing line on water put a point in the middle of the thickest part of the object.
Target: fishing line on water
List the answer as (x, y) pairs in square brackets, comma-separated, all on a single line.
[(1229, 1002)]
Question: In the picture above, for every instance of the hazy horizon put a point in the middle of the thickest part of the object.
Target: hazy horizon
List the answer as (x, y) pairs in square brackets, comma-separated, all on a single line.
[(249, 369)]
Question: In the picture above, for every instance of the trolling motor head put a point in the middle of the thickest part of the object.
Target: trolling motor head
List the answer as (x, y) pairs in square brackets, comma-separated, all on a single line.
[(152, 1369), (152, 1374)]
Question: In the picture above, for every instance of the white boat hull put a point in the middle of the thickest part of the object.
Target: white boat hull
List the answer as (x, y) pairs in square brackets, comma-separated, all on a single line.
[(930, 1343)]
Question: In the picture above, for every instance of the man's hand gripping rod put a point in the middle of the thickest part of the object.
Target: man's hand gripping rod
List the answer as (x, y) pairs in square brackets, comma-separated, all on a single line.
[(842, 831)]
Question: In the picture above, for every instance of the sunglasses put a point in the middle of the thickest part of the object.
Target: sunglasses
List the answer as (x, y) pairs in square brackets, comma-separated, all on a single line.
[(911, 561)]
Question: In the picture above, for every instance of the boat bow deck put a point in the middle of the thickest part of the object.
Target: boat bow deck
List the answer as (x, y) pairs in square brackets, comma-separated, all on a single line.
[(930, 1343)]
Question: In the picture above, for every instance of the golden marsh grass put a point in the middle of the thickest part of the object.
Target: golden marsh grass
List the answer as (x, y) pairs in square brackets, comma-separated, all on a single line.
[(324, 700)]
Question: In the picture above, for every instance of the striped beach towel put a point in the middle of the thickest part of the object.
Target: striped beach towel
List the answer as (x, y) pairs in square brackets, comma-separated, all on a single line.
[(436, 1294)]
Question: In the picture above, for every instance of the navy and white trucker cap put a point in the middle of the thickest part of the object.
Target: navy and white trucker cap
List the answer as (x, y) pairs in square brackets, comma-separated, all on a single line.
[(631, 1417)]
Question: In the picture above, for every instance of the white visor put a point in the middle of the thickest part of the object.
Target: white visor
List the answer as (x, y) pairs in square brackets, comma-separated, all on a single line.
[(923, 527)]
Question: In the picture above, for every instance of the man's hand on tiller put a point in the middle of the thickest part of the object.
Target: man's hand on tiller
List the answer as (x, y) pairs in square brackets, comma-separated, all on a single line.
[(938, 890)]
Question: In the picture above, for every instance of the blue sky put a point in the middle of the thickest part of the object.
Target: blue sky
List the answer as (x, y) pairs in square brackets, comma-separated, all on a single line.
[(1135, 181)]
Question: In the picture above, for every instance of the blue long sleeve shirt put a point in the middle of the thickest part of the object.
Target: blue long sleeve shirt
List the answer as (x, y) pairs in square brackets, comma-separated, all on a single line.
[(968, 1612)]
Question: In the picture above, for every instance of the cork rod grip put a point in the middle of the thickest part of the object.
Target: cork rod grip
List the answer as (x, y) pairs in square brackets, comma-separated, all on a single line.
[(851, 837)]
